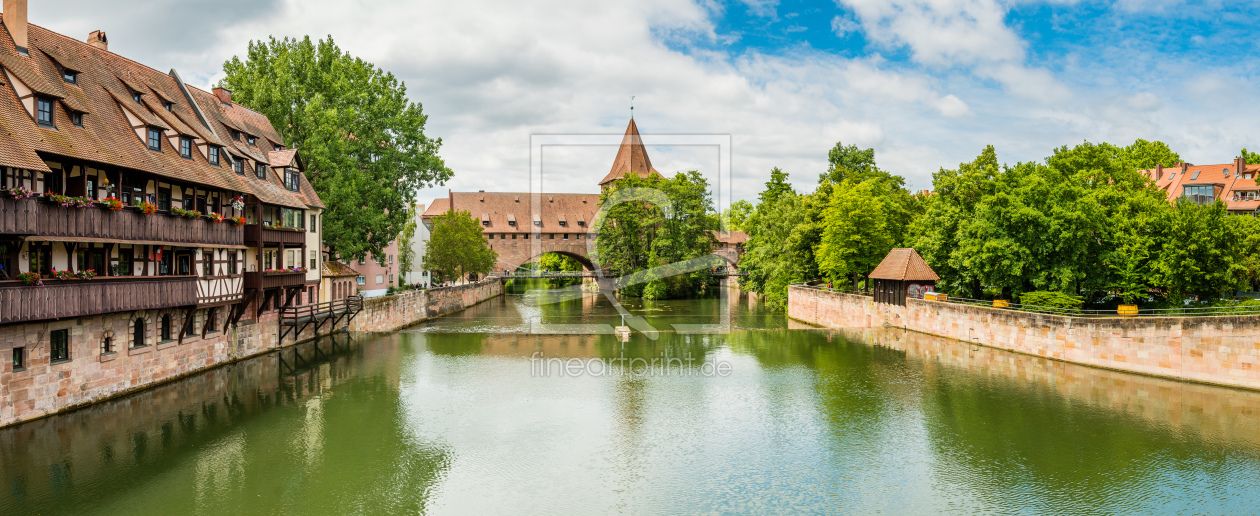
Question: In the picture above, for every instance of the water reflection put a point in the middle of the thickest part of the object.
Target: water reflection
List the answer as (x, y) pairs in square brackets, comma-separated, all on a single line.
[(807, 421)]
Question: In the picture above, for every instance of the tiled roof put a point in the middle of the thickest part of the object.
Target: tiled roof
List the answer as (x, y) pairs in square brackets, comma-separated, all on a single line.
[(904, 264), (734, 237), (500, 209), (1227, 177), (631, 157), (103, 92), (332, 269)]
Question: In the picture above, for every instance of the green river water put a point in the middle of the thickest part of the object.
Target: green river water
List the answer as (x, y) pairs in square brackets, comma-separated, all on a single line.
[(742, 412)]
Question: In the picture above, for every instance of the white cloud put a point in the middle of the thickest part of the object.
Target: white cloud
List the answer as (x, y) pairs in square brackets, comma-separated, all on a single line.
[(491, 73), (843, 26)]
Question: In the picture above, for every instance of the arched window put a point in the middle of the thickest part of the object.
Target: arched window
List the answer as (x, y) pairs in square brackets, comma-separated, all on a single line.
[(166, 327), (137, 338)]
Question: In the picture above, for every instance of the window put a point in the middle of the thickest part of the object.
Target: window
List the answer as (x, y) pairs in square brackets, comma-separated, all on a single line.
[(236, 135), (485, 223), (238, 166), (380, 278), (362, 281), (538, 223), (168, 105), (231, 262), (292, 179), (391, 258), (185, 147), (363, 260), (512, 223), (250, 139), (137, 334), (135, 95), (260, 170), (43, 111), (581, 223), (563, 223), (59, 348), (70, 76), (312, 227), (207, 263), (107, 346), (76, 118), (164, 199), (155, 140), (19, 359), (165, 329), (212, 155), (212, 317), (1199, 194), (312, 259), (1195, 176)]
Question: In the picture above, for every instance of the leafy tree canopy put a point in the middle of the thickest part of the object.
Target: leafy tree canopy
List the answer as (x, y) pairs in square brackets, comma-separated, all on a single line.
[(457, 247), (362, 141), (1253, 158)]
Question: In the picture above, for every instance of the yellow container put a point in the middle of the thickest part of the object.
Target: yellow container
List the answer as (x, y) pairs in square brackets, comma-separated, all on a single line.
[(935, 296), (1001, 303), (1127, 310)]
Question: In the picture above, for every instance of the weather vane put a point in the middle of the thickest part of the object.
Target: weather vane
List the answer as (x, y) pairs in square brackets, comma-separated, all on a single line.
[(632, 107)]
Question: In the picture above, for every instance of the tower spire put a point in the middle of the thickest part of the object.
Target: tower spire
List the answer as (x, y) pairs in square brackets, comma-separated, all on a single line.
[(632, 107)]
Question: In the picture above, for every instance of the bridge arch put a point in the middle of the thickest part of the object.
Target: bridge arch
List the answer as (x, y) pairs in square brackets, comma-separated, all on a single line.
[(508, 263)]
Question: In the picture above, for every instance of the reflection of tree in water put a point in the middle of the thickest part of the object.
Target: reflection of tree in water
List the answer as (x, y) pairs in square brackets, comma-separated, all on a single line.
[(1012, 443), (209, 444)]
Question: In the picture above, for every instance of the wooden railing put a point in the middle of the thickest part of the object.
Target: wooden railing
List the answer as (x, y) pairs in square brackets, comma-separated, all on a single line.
[(39, 218), (254, 233), (78, 298), (294, 319), (265, 280)]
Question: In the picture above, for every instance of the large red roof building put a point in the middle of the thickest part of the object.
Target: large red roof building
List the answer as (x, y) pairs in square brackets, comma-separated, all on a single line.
[(1233, 183)]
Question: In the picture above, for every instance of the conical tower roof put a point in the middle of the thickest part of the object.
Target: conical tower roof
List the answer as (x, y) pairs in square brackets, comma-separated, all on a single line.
[(632, 157)]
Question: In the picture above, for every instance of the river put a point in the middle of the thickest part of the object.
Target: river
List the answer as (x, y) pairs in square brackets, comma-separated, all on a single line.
[(726, 408)]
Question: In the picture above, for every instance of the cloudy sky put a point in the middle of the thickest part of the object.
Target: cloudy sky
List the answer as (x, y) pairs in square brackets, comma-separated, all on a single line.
[(927, 83)]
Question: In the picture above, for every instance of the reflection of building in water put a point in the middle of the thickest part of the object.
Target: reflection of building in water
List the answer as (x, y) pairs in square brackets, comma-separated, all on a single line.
[(198, 423)]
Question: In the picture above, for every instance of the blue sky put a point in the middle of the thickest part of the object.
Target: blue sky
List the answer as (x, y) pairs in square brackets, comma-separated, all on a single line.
[(926, 83)]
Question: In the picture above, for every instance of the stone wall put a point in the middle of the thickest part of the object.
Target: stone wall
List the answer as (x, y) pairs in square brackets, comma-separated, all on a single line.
[(1222, 350), (92, 375), (391, 313)]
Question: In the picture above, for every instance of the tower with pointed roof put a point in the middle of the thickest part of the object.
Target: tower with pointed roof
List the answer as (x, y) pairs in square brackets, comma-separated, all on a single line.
[(632, 158)]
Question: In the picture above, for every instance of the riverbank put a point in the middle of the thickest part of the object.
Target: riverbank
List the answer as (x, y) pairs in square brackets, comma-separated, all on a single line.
[(94, 373), (1219, 350)]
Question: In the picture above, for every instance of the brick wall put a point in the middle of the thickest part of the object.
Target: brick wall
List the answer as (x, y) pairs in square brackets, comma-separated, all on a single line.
[(390, 313), (1221, 350)]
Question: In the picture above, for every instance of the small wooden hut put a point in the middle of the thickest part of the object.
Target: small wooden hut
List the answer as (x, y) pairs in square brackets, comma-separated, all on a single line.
[(902, 274)]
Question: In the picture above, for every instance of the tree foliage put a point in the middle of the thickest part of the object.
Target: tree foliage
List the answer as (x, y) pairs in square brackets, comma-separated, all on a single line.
[(663, 221), (855, 235), (361, 139), (735, 218), (457, 247), (1253, 158)]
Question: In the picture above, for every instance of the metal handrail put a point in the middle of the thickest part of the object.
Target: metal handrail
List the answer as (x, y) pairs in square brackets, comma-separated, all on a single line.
[(1194, 311)]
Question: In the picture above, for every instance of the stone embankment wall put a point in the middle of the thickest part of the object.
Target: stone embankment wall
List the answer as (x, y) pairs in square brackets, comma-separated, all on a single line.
[(390, 313), (1223, 350), (93, 375)]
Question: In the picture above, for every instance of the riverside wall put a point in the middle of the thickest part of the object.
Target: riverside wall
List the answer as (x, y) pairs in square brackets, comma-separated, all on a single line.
[(91, 375), (1222, 350)]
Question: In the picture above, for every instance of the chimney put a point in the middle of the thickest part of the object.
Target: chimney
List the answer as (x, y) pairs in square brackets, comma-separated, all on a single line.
[(15, 21), (97, 39), (1159, 171), (225, 96)]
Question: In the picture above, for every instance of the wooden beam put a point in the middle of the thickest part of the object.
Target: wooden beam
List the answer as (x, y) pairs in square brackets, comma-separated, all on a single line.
[(240, 307), (289, 298), (205, 328), (187, 326)]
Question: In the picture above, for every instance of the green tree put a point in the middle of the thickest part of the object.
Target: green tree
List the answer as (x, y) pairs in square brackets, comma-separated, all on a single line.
[(855, 235), (1252, 158), (1144, 155), (1200, 253), (640, 234), (735, 217), (362, 141), (770, 268), (458, 247), (936, 234)]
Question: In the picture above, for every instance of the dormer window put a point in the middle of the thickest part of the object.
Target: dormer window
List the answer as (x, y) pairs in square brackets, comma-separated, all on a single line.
[(43, 112), (185, 147), (292, 179), (168, 105), (260, 170), (238, 166), (155, 140), (581, 223), (236, 135), (250, 139), (135, 95), (512, 223), (76, 118), (1195, 177), (70, 76), (563, 223), (212, 155)]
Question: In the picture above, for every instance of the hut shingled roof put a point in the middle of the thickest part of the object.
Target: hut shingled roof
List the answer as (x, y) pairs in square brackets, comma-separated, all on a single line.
[(904, 264)]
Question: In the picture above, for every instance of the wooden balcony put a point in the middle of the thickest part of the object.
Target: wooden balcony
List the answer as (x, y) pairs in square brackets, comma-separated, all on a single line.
[(266, 280), (33, 217), (102, 295), (256, 234)]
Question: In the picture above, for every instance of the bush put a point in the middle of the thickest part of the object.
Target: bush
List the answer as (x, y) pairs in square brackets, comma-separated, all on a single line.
[(1055, 300)]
